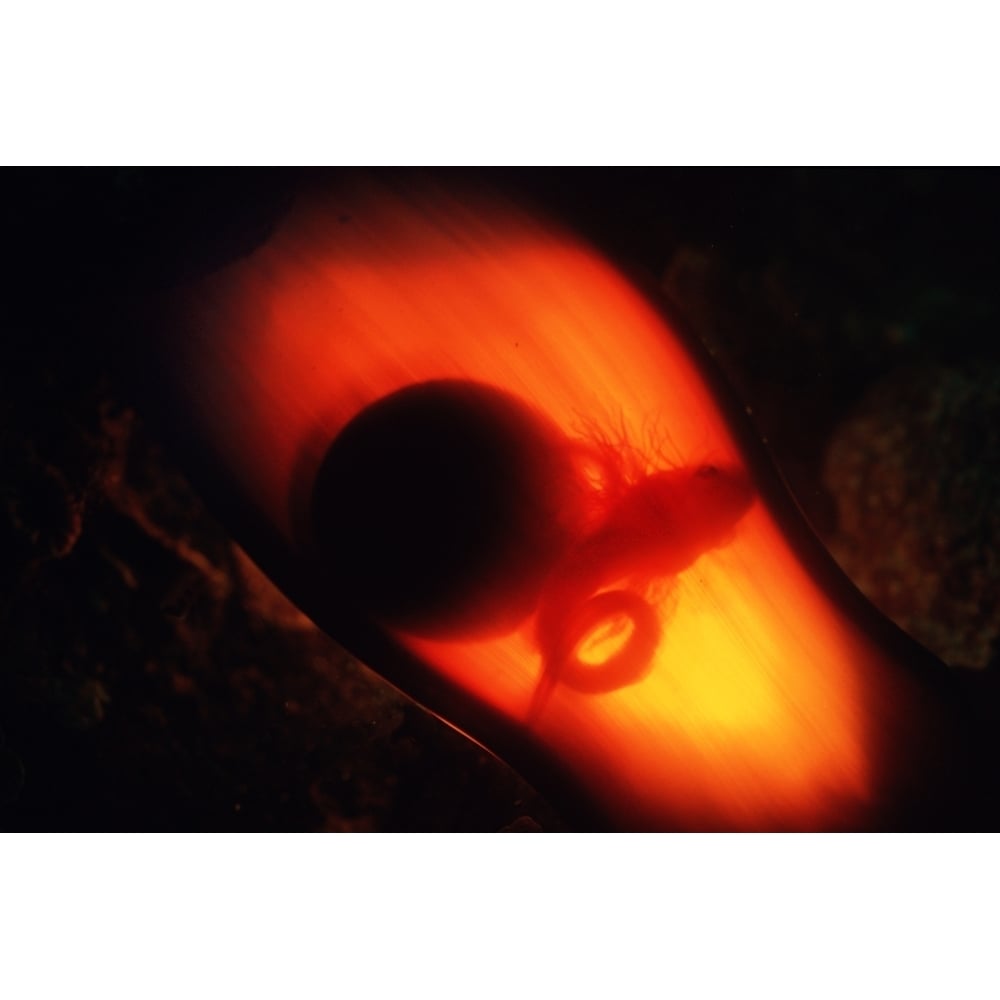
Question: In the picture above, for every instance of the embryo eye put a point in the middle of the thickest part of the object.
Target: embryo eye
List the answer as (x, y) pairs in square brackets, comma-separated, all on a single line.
[(707, 471)]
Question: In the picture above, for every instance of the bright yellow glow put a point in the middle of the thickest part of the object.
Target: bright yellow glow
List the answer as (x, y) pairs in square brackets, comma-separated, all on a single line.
[(748, 714), (604, 640)]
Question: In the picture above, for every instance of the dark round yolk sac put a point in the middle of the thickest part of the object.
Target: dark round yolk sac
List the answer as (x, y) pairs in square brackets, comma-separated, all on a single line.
[(441, 508)]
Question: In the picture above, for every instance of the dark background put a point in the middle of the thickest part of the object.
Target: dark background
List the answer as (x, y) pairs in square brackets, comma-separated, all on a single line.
[(151, 679)]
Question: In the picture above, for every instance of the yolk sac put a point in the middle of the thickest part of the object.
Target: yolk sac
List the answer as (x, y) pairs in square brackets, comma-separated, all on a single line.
[(441, 508)]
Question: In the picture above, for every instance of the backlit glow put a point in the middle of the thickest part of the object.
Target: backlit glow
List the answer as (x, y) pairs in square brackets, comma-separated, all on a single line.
[(747, 714)]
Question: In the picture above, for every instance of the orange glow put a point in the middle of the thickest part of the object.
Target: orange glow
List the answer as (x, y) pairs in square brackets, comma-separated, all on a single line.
[(710, 684)]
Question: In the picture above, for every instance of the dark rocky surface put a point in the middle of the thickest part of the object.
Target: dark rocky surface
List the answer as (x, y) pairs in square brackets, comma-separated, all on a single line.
[(913, 473), (151, 678)]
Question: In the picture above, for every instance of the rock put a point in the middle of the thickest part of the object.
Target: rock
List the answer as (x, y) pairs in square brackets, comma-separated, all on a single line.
[(913, 474)]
